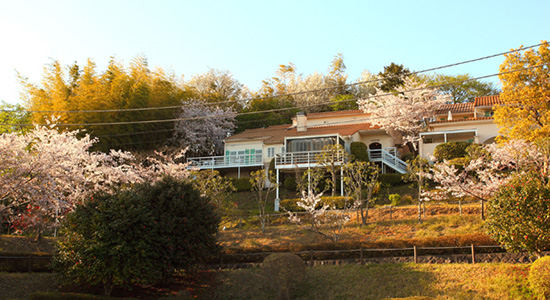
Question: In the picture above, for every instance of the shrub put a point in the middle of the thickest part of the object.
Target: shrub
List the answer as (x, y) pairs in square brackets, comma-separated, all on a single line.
[(137, 236), (359, 151), (290, 205), (284, 272), (391, 179), (395, 199), (242, 184), (539, 277), (516, 214), (290, 183), (450, 150)]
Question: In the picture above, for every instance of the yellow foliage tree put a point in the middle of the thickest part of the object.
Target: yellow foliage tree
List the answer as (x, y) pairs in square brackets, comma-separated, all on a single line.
[(525, 112)]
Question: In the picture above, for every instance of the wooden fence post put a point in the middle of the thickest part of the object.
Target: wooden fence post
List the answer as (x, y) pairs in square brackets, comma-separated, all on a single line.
[(30, 264), (311, 257), (473, 255), (415, 257), (362, 261)]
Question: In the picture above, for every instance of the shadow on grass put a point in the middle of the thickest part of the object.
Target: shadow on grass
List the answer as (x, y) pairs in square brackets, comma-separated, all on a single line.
[(334, 282)]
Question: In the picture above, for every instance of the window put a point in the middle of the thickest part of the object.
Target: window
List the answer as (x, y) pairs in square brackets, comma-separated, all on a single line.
[(489, 113), (311, 144), (270, 151)]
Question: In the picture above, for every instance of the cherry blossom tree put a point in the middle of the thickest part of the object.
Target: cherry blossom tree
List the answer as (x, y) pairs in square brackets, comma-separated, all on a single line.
[(488, 169), (50, 171), (203, 128), (404, 111), (323, 219)]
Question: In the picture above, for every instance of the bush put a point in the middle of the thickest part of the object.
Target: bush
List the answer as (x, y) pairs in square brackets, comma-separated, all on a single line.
[(290, 183), (242, 184), (138, 235), (516, 214), (359, 151), (391, 179), (284, 272), (395, 199), (450, 150), (539, 277)]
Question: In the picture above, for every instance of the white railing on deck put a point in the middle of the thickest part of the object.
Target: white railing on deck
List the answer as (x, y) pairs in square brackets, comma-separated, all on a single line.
[(228, 161), (309, 158), (388, 156)]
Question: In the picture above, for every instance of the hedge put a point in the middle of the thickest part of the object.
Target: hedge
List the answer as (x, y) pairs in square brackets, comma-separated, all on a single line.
[(450, 150), (242, 184), (391, 179)]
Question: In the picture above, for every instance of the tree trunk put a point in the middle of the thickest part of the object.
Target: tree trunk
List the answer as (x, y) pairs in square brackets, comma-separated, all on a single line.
[(107, 287)]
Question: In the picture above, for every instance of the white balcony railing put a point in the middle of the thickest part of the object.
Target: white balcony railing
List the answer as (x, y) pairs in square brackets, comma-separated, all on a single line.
[(228, 161), (388, 156), (303, 159)]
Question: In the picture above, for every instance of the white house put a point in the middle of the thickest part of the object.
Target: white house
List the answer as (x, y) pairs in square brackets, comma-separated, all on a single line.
[(466, 122)]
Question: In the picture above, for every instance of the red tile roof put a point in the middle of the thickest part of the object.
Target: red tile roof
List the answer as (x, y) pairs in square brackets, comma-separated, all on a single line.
[(277, 134), (487, 101), (469, 106), (456, 108)]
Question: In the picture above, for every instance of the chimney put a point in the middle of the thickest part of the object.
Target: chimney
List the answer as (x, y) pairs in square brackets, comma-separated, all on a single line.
[(301, 121)]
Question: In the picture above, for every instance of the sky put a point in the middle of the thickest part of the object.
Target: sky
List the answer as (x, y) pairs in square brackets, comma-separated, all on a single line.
[(251, 39)]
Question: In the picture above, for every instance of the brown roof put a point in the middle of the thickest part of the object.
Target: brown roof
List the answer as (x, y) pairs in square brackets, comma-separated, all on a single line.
[(456, 108), (469, 106), (487, 101), (277, 133)]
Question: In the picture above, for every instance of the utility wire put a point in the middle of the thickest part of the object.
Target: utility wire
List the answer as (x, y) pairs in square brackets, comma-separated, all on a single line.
[(278, 109), (287, 94)]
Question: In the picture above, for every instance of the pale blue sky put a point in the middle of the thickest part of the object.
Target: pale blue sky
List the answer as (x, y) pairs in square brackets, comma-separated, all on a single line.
[(252, 38)]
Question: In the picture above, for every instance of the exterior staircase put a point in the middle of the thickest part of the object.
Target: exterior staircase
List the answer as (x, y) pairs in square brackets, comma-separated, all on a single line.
[(388, 158)]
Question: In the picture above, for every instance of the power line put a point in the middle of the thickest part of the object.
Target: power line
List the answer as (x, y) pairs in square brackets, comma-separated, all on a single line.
[(289, 94), (276, 109)]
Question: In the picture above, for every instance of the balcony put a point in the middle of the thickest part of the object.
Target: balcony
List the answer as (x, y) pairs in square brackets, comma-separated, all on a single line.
[(306, 159), (228, 161)]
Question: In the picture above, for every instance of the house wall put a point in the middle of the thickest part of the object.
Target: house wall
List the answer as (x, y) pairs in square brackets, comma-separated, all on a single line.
[(268, 154), (336, 120), (381, 138), (486, 130)]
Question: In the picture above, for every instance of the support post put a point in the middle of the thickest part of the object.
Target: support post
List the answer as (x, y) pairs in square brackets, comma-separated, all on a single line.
[(415, 255), (342, 180), (277, 199), (473, 255)]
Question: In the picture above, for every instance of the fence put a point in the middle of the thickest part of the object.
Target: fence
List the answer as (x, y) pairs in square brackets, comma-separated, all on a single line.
[(26, 263), (364, 255)]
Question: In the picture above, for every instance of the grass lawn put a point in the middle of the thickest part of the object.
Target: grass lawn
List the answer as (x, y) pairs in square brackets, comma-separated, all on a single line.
[(375, 281), (446, 281)]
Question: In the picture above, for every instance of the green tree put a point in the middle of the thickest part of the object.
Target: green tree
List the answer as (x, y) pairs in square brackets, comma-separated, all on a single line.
[(262, 186), (417, 171), (332, 159), (140, 235), (519, 214), (11, 115), (464, 90), (214, 187), (393, 77), (359, 176), (525, 112)]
